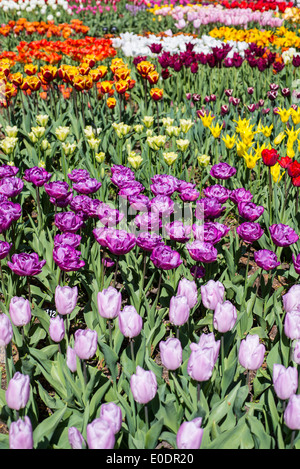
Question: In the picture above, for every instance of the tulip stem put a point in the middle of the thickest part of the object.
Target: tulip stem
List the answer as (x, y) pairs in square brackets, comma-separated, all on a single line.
[(292, 439), (131, 349), (29, 290), (270, 196), (116, 271), (146, 417), (110, 332), (38, 204), (198, 391), (2, 280)]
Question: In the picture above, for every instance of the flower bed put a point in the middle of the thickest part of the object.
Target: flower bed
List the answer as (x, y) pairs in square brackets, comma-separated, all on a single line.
[(149, 251)]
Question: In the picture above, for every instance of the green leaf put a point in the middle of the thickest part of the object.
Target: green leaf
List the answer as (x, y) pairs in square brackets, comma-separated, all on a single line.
[(153, 434), (44, 431)]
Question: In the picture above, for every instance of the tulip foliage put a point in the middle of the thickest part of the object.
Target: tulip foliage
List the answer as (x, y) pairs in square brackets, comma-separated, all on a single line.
[(149, 226)]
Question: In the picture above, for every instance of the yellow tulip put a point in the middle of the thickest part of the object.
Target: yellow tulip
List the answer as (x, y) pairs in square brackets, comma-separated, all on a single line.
[(170, 157), (135, 160), (284, 114), (279, 138), (182, 144), (216, 130), (275, 172), (207, 120), (203, 160), (295, 115), (229, 141)]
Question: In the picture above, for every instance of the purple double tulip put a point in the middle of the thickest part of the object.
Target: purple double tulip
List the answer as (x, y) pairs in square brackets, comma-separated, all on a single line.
[(11, 186), (5, 247), (209, 208), (37, 176), (283, 235), (249, 231), (87, 186), (266, 259), (202, 252), (250, 211), (67, 258), (218, 192), (25, 264), (165, 258), (68, 222), (120, 242), (222, 171), (148, 241)]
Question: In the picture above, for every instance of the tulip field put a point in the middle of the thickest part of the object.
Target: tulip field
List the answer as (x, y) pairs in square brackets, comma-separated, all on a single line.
[(149, 225)]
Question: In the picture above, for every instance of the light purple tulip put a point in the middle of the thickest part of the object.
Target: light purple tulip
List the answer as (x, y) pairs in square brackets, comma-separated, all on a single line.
[(203, 357), (291, 300), (112, 413), (86, 342), (296, 352), (212, 293), (20, 311), (20, 434), (179, 310), (292, 325), (188, 288), (76, 439), (189, 435), (57, 328), (143, 385), (71, 359), (100, 435), (292, 412), (225, 316), (130, 322), (285, 381), (251, 352), (18, 391), (6, 330), (171, 353), (65, 299), (109, 302)]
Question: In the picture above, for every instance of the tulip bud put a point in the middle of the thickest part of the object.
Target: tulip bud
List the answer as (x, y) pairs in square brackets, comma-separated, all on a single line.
[(18, 391), (113, 415), (6, 330), (71, 359), (130, 322), (76, 439), (296, 352), (292, 325), (203, 357), (86, 342), (100, 435), (179, 310), (20, 311), (292, 412), (291, 300), (189, 435), (285, 381), (171, 353), (251, 352), (143, 385), (212, 293), (109, 303), (225, 316), (65, 299), (20, 434), (57, 328), (188, 288)]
